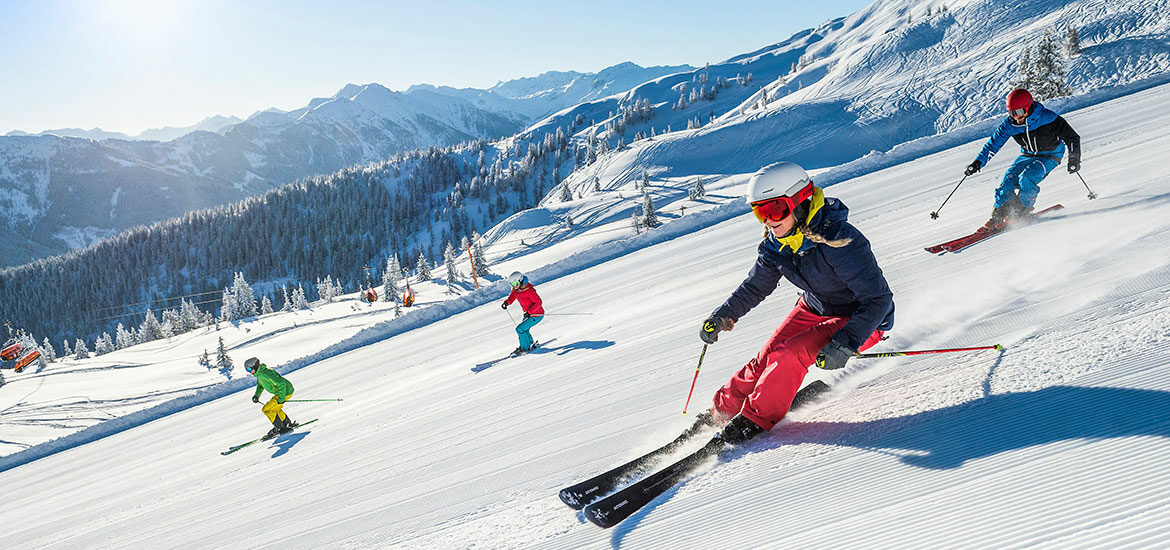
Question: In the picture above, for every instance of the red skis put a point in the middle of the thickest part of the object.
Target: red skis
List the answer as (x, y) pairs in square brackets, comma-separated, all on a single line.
[(980, 234)]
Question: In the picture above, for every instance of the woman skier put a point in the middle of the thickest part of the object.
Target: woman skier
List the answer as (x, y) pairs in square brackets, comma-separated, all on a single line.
[(280, 388), (1043, 136), (846, 305), (525, 293)]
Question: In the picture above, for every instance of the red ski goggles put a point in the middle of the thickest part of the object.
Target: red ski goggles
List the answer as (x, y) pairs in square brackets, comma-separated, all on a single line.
[(773, 209), (776, 209)]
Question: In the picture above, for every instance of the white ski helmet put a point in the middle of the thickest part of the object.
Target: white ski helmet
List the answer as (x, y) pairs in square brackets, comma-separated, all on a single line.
[(778, 179), (777, 189), (516, 278)]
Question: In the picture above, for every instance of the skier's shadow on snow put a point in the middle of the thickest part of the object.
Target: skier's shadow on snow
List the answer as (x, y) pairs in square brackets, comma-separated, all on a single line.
[(582, 344), (949, 437), (285, 443), (545, 348)]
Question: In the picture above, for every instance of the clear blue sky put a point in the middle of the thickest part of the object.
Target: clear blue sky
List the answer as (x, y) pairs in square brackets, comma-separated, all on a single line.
[(129, 65)]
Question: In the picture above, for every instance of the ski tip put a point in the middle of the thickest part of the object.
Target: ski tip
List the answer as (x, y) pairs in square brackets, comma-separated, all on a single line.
[(999, 347)]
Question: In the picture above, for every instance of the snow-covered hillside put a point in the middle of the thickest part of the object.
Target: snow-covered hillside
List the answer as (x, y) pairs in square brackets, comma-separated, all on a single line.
[(1058, 441), (887, 74)]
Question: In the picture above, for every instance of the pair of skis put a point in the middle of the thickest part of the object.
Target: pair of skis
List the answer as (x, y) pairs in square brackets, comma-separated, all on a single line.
[(606, 510), (235, 448), (982, 234)]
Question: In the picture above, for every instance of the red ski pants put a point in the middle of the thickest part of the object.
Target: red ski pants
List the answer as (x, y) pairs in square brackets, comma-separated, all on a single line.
[(764, 388)]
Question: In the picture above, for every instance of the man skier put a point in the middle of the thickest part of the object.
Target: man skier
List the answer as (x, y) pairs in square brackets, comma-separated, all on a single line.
[(280, 388), (845, 308), (1043, 136), (525, 293)]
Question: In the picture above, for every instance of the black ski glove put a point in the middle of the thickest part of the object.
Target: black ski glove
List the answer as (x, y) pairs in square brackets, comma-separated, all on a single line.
[(527, 315), (255, 398), (833, 356), (504, 305), (709, 333), (973, 167), (1074, 164)]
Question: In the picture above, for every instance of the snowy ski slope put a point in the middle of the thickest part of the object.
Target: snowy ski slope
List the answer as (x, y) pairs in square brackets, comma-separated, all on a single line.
[(1059, 441)]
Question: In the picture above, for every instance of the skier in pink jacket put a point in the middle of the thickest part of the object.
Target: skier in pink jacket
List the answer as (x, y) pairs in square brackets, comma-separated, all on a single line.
[(525, 293)]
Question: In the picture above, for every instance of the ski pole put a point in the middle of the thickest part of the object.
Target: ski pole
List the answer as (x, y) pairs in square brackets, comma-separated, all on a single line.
[(558, 314), (701, 356), (510, 317), (922, 352), (1092, 195), (934, 215), (307, 400)]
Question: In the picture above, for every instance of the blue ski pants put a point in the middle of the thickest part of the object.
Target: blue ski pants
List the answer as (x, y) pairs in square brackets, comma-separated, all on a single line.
[(1024, 175), (522, 330)]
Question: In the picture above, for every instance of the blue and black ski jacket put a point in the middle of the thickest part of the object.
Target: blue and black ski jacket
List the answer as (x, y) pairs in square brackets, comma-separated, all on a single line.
[(1043, 134)]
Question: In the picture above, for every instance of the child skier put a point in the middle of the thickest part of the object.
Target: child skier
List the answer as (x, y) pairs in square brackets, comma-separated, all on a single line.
[(1043, 136), (845, 308), (525, 293), (280, 388)]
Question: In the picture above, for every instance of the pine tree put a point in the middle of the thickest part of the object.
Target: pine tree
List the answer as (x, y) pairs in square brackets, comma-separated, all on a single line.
[(481, 264), (288, 304), (245, 299), (299, 300), (636, 222), (227, 309), (48, 351), (189, 317), (1072, 42), (649, 216), (391, 277), (80, 351), (449, 258), (566, 194), (102, 345), (645, 178), (325, 289), (222, 361), (423, 267), (150, 330), (1025, 70), (1049, 69), (66, 351), (122, 337), (205, 360), (265, 306), (698, 191), (167, 327)]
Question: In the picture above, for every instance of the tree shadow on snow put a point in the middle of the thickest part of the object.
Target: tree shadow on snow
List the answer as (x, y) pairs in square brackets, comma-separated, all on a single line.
[(949, 437), (285, 442)]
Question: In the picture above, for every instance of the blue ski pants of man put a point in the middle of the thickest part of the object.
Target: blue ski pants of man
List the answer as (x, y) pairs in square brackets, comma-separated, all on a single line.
[(522, 330), (1024, 175)]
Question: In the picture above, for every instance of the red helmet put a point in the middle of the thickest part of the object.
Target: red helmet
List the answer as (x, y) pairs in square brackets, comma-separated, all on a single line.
[(1019, 98)]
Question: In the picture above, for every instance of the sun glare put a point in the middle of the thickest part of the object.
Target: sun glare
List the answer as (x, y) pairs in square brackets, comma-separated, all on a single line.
[(140, 20)]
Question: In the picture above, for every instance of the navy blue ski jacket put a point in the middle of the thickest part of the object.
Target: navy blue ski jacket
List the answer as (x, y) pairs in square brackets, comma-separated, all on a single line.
[(837, 282)]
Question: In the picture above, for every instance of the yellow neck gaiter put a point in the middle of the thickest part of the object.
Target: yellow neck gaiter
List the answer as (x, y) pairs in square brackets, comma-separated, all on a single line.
[(795, 240)]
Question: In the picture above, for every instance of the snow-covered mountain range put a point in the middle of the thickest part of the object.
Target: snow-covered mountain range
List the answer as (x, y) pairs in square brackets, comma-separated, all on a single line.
[(63, 193), (210, 124)]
